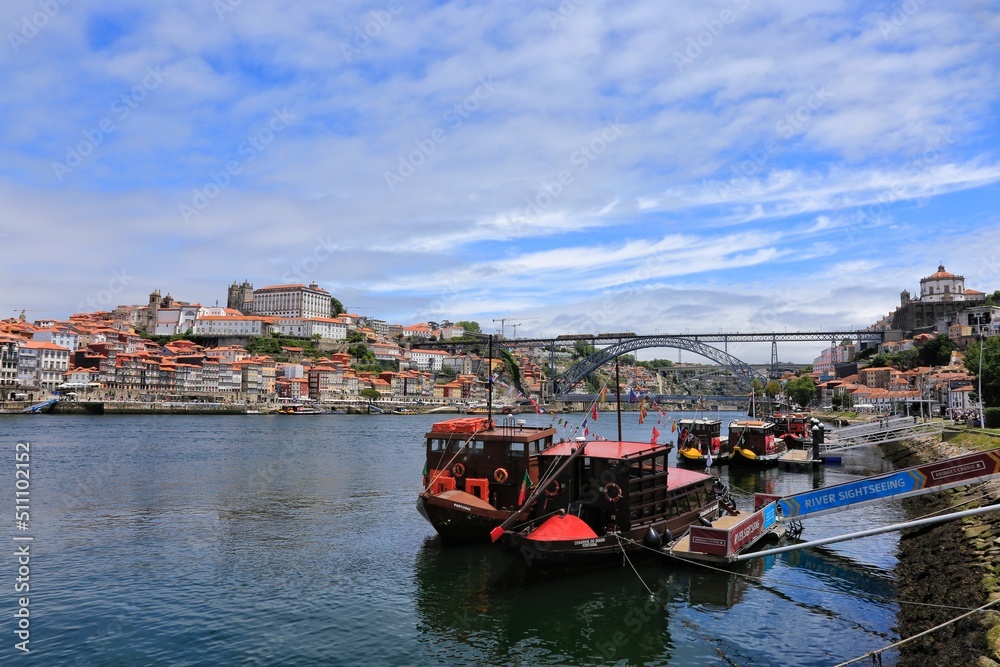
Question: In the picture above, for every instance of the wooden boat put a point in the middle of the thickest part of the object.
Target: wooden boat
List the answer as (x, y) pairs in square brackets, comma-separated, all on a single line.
[(478, 474), (794, 429), (752, 443), (697, 438), (602, 499)]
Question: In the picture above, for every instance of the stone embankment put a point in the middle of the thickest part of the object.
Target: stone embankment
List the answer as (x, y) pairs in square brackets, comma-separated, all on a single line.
[(947, 569)]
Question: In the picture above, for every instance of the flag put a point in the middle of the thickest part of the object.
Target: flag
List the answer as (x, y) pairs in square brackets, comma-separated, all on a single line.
[(631, 395), (642, 411), (604, 394), (593, 412), (708, 457), (673, 426), (656, 436), (525, 485)]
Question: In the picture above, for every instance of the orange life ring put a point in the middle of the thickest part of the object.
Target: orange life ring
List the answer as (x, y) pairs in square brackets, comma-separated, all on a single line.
[(612, 493), (458, 470), (500, 475), (553, 488)]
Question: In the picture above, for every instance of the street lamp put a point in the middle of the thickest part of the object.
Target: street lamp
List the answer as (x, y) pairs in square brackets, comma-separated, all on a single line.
[(982, 420)]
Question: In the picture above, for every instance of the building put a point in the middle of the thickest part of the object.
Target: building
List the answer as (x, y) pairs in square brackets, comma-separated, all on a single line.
[(292, 301), (240, 297), (943, 296), (427, 360), (236, 326), (8, 361), (42, 364), (982, 320)]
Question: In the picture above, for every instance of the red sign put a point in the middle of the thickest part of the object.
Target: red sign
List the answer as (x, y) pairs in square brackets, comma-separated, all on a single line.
[(727, 541)]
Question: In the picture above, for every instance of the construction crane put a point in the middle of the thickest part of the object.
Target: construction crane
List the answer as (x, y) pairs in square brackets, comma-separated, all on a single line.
[(515, 325)]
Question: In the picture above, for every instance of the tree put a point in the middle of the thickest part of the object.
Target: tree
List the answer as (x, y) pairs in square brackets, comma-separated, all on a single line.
[(993, 299), (355, 336), (336, 307), (757, 385), (370, 394), (469, 326), (772, 388), (802, 390), (936, 351), (991, 369), (583, 349)]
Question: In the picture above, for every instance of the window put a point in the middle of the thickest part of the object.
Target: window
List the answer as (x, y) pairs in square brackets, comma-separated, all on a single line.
[(516, 449)]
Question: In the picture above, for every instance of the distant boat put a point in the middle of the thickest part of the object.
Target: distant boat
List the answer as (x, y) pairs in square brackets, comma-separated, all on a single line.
[(752, 444), (697, 439), (299, 410), (404, 411), (375, 410)]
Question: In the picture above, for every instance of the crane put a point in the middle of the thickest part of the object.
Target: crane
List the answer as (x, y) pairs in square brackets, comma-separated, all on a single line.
[(504, 320)]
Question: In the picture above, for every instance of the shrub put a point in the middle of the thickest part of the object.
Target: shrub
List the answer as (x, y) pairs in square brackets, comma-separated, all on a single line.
[(992, 417)]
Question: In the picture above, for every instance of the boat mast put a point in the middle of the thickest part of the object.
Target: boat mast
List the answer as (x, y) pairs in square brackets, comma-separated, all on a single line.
[(618, 400), (489, 382)]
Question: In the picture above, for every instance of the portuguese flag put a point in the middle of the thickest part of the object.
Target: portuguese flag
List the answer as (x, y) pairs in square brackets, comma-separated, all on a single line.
[(525, 485)]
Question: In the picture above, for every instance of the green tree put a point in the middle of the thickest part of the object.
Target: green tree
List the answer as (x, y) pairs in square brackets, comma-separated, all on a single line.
[(355, 336), (991, 368), (370, 394), (802, 390), (905, 359), (936, 351), (757, 385), (772, 388), (583, 349), (361, 352), (993, 299), (469, 326), (336, 307)]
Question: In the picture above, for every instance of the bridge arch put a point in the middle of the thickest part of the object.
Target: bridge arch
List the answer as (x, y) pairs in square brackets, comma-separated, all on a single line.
[(742, 370)]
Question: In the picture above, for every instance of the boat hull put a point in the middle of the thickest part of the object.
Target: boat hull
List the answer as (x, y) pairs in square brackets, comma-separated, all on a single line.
[(460, 517), (699, 461), (739, 458)]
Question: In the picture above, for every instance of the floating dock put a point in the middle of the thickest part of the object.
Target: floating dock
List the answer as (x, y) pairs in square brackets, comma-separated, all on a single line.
[(729, 536), (798, 459)]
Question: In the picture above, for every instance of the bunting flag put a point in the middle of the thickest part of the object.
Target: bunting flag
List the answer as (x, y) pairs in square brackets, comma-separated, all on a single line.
[(425, 474), (631, 395), (604, 394), (673, 426), (525, 485), (593, 412), (708, 457), (642, 412), (656, 436)]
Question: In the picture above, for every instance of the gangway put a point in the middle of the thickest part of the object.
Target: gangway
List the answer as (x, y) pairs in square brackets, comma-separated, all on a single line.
[(878, 432), (914, 481), (38, 407)]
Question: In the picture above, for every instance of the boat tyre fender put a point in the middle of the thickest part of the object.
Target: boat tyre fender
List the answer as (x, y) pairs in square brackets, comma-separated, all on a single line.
[(553, 488), (458, 470), (500, 475), (612, 493)]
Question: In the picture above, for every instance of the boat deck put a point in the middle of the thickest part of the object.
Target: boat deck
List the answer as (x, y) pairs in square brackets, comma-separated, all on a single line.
[(798, 458), (682, 548)]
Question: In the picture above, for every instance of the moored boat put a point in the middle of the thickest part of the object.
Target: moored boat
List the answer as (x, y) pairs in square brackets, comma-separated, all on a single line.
[(602, 499), (299, 410), (700, 443), (477, 474), (752, 443)]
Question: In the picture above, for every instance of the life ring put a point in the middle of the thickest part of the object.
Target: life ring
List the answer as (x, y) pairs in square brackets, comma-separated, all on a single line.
[(553, 488), (612, 493), (500, 475), (458, 470)]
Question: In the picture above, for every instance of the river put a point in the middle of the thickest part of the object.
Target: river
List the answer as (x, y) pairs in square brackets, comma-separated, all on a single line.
[(224, 540)]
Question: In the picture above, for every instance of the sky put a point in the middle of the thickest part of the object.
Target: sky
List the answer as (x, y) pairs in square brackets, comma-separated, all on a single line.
[(571, 167)]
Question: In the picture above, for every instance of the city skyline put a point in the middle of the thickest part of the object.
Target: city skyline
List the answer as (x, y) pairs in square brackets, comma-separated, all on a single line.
[(584, 167)]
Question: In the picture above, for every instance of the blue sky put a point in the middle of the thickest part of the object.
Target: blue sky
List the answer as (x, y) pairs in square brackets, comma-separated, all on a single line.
[(582, 166)]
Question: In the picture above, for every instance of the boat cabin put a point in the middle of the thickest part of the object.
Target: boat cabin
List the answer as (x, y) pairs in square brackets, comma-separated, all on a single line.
[(486, 460), (755, 436), (700, 434), (617, 486)]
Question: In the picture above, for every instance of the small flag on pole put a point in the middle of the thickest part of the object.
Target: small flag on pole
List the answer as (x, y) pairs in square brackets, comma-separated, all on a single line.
[(593, 412), (673, 426), (525, 485), (604, 394), (708, 457), (656, 436)]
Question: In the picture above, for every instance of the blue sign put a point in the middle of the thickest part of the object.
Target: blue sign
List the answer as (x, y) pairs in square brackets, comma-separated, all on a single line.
[(845, 495)]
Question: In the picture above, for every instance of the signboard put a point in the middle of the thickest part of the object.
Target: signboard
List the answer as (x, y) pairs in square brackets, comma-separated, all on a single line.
[(729, 541), (902, 483)]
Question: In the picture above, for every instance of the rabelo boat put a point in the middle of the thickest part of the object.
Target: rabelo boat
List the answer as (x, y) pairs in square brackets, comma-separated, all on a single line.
[(696, 438), (477, 473), (601, 499), (752, 444)]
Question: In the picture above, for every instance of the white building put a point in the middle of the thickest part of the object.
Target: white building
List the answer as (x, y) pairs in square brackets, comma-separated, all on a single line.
[(243, 325), (42, 364), (327, 328), (62, 336), (942, 286), (427, 360), (292, 301)]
